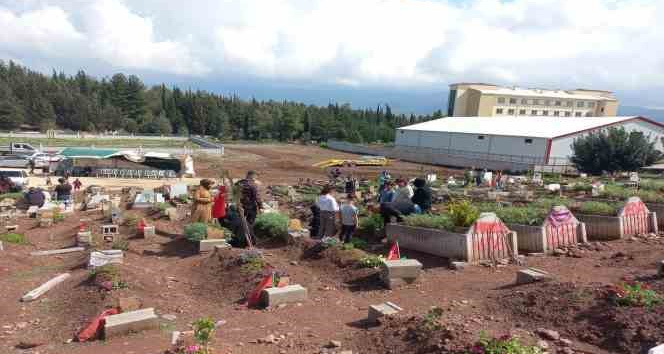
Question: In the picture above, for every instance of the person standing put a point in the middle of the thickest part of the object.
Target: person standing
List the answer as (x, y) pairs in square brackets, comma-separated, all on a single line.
[(77, 185), (422, 196), (219, 206), (250, 201), (349, 220), (404, 191), (63, 191), (202, 208), (329, 210), (387, 193)]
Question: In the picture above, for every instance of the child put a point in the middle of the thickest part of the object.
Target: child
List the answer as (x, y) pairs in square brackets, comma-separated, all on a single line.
[(349, 219), (77, 185)]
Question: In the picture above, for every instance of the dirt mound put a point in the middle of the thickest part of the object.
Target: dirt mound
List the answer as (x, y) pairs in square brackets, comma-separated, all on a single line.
[(588, 313)]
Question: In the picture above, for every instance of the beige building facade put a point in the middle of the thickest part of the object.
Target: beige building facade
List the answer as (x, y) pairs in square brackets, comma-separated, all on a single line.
[(487, 100)]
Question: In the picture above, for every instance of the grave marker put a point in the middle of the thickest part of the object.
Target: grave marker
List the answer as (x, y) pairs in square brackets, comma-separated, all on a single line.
[(42, 289), (58, 251), (134, 321), (382, 310), (397, 272), (531, 275), (292, 293)]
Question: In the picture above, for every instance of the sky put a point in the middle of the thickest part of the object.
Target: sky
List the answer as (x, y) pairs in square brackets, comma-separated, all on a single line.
[(365, 52)]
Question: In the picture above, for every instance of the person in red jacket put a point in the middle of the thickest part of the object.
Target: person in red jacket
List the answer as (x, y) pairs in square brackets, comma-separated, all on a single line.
[(219, 206)]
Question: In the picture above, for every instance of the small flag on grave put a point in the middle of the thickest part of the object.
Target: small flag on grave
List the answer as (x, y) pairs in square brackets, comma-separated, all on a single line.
[(394, 254)]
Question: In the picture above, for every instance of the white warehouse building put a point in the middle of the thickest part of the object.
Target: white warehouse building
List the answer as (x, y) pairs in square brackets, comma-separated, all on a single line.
[(507, 143)]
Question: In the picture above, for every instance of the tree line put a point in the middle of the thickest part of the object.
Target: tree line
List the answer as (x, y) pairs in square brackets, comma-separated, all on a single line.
[(32, 100)]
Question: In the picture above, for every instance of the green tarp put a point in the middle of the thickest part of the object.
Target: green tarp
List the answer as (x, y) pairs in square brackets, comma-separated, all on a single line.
[(89, 153)]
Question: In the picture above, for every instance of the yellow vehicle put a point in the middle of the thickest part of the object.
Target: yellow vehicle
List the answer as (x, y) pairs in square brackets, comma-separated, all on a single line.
[(362, 161)]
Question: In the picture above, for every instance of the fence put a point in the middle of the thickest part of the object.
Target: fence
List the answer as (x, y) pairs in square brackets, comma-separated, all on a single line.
[(451, 157), (79, 135)]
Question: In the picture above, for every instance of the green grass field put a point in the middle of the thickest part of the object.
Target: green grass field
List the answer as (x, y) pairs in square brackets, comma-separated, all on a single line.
[(107, 143)]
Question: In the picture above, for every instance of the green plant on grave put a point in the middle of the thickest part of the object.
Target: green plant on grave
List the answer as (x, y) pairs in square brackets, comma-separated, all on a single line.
[(430, 221), (131, 219), (18, 239), (108, 272), (120, 245), (163, 206), (269, 225), (503, 345), (204, 333), (251, 261), (598, 208), (635, 294), (371, 225), (371, 261), (431, 320), (58, 216), (196, 231), (463, 213)]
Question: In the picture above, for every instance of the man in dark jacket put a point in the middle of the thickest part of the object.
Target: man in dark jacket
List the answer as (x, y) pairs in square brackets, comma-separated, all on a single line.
[(397, 210), (250, 200), (63, 190), (422, 196), (35, 197)]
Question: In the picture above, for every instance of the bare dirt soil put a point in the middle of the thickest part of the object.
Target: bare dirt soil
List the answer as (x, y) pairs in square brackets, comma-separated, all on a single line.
[(167, 273)]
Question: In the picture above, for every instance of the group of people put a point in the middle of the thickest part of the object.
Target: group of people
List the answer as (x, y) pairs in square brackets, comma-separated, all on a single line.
[(206, 207), (477, 177), (396, 199)]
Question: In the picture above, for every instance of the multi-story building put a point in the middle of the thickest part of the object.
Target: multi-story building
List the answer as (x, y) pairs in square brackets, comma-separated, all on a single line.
[(486, 100)]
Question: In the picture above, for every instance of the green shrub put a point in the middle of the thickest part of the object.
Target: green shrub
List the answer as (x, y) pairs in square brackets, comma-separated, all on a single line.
[(371, 225), (270, 225), (527, 215), (503, 345), (120, 245), (652, 184), (463, 213), (204, 333), (15, 196), (163, 206), (429, 221), (253, 265), (371, 261), (548, 203), (358, 243), (196, 231), (14, 238), (431, 320), (598, 208), (130, 219), (582, 187), (636, 294)]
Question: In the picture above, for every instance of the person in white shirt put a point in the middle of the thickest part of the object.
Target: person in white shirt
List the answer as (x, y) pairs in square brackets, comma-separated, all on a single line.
[(329, 211), (404, 191)]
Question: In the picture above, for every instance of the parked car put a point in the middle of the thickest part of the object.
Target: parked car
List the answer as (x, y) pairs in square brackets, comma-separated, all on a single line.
[(14, 161), (18, 149), (43, 159), (17, 176)]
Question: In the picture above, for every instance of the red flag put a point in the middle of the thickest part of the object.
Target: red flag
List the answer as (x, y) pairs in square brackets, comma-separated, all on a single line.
[(141, 226), (394, 254), (255, 296), (93, 329)]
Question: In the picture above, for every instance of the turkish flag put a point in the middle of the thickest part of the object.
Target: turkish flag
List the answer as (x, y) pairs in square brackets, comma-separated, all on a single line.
[(394, 254), (255, 296), (93, 329)]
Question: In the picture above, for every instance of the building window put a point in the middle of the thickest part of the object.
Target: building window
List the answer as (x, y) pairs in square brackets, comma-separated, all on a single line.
[(512, 100), (522, 112), (580, 104), (559, 103), (568, 104), (591, 104), (602, 110), (538, 102), (528, 141), (568, 114), (480, 137), (499, 111), (545, 112), (510, 111), (556, 113), (547, 102), (533, 112), (501, 99), (577, 114), (524, 101), (589, 114)]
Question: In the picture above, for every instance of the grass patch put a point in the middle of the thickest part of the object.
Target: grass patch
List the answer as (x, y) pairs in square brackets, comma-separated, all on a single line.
[(18, 239), (430, 221), (599, 208)]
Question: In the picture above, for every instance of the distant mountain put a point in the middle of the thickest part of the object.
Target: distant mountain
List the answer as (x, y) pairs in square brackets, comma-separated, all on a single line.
[(652, 113)]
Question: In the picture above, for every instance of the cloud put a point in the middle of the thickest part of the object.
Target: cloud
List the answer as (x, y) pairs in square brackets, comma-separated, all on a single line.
[(607, 44)]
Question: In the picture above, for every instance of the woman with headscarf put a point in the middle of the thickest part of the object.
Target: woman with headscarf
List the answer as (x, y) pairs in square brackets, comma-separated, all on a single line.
[(202, 208)]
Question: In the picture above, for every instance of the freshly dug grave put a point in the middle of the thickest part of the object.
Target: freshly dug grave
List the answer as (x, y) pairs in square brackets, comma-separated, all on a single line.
[(588, 313)]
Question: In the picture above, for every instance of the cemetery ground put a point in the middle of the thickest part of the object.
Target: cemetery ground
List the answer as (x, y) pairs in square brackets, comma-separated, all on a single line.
[(444, 311)]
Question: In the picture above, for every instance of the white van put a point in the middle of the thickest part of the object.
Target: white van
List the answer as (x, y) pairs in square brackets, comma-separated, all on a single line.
[(17, 176)]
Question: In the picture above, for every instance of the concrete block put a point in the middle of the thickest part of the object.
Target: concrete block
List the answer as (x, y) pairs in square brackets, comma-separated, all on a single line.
[(274, 296), (33, 211), (110, 229), (209, 245), (404, 268), (11, 228), (384, 309), (149, 232), (127, 322), (458, 265), (84, 238), (44, 288), (531, 275), (60, 251), (657, 350), (99, 259), (660, 269)]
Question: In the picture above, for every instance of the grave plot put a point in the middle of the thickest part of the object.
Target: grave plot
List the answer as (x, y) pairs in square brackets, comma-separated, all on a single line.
[(604, 223), (486, 239), (559, 229)]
